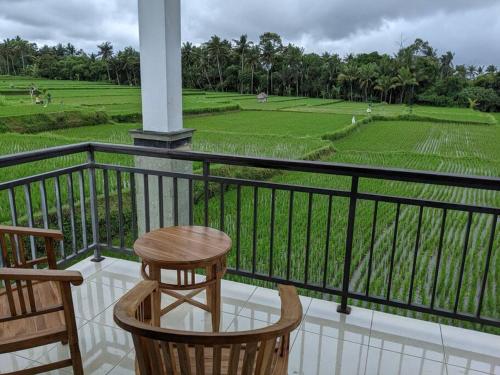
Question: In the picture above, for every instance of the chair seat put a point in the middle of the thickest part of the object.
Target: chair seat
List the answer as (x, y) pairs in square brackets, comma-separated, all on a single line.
[(46, 295)]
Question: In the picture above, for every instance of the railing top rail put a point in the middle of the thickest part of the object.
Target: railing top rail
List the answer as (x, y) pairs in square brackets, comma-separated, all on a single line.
[(43, 154), (394, 174)]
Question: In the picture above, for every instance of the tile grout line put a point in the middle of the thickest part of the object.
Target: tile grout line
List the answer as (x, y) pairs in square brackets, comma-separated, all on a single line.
[(120, 361), (240, 309), (299, 328), (445, 362)]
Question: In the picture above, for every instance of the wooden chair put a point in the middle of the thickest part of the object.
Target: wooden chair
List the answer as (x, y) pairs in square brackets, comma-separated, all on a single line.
[(168, 352), (36, 306)]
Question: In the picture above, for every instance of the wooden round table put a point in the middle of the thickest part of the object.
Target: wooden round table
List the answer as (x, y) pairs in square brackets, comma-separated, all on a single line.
[(185, 250)]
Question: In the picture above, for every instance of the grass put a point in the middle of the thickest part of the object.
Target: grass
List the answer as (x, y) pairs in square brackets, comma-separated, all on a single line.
[(295, 128)]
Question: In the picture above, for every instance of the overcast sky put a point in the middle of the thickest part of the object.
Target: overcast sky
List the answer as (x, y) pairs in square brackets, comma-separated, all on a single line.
[(470, 28)]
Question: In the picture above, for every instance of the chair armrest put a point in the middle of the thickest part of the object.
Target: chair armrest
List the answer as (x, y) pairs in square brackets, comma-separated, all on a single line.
[(291, 308), (73, 277), (44, 233)]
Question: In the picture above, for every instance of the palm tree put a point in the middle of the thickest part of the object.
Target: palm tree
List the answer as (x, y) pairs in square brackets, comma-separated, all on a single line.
[(330, 71), (293, 57), (241, 48), (106, 53), (383, 84), (471, 71), (350, 74), (406, 79), (217, 49), (491, 69), (253, 60), (270, 45), (367, 73)]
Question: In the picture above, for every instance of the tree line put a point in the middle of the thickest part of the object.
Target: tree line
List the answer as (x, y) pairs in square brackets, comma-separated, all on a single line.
[(21, 57), (417, 73)]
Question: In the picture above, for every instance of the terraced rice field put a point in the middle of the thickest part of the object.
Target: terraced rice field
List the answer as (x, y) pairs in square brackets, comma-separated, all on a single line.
[(295, 128)]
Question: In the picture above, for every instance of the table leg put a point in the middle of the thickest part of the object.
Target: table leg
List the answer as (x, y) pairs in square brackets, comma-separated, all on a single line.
[(155, 274), (213, 297)]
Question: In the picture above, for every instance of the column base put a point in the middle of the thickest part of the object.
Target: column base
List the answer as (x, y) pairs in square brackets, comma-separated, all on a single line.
[(162, 210), (170, 140)]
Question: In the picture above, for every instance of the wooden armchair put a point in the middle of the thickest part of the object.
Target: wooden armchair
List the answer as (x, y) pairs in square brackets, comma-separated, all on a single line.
[(169, 352), (36, 306)]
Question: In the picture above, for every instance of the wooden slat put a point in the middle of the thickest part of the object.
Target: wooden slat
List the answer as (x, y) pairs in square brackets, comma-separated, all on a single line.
[(29, 284), (155, 356), (184, 360), (249, 358), (50, 252), (179, 278), (200, 360), (217, 359), (45, 368), (8, 287), (17, 263), (234, 359), (265, 357), (32, 314), (141, 355), (168, 358), (32, 340)]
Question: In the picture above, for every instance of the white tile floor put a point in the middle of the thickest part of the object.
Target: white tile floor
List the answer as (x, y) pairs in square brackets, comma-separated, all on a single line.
[(364, 342)]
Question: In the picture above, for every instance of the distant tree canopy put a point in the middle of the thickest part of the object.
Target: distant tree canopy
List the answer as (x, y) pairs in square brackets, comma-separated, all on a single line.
[(21, 57), (415, 74)]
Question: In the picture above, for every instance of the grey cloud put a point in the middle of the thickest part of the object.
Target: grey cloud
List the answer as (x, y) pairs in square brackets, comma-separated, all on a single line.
[(336, 25)]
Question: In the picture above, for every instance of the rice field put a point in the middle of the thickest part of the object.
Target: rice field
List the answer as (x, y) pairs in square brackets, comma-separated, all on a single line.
[(294, 128)]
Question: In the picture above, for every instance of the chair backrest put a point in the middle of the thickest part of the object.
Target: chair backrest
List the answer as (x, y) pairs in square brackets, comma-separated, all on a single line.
[(20, 293), (165, 352), (13, 246)]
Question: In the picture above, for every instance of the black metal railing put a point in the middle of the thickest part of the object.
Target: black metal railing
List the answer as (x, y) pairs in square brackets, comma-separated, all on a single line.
[(421, 241)]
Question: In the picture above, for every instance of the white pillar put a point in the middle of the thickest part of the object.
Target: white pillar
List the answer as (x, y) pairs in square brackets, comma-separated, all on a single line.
[(161, 70), (161, 87)]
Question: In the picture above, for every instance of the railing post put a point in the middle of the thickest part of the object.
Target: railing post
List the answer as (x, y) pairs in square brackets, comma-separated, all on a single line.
[(343, 308), (206, 191), (93, 207)]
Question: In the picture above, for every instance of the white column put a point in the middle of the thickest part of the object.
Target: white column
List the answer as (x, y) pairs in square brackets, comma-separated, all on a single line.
[(161, 71), (161, 86)]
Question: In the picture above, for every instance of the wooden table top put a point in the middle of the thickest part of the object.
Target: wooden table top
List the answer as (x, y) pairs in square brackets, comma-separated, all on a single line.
[(182, 245)]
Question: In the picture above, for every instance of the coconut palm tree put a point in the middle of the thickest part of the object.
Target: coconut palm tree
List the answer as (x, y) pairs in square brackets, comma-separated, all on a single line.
[(217, 50), (270, 46), (242, 47), (106, 53), (471, 71), (383, 84), (406, 79), (253, 60), (367, 74), (349, 75)]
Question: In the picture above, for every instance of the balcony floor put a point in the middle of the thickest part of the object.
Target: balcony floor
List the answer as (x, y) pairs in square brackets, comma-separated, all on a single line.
[(365, 342)]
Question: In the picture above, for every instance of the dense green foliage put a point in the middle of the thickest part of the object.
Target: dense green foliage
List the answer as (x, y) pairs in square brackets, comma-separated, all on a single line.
[(416, 74)]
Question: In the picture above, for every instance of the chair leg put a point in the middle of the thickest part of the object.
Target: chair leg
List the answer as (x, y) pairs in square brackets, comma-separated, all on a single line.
[(64, 341), (76, 358)]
